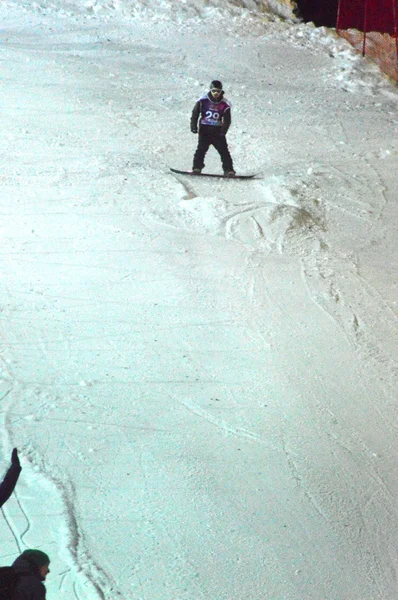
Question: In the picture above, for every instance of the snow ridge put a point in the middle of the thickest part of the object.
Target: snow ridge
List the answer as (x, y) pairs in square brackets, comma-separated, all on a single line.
[(158, 9), (39, 491)]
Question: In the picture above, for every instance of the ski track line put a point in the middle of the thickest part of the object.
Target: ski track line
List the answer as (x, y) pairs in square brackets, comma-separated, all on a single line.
[(328, 313), (372, 298), (223, 425), (12, 530)]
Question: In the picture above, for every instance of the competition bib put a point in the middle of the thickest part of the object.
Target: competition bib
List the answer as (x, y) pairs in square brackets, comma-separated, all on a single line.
[(211, 117), (212, 112)]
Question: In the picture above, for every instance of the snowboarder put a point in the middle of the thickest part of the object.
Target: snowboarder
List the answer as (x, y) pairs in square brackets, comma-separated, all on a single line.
[(31, 569), (214, 114), (11, 477)]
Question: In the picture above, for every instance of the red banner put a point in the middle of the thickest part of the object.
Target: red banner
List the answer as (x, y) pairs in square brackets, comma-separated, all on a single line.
[(368, 15)]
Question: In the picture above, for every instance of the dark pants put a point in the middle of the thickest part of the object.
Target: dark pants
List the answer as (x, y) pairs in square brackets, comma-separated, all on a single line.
[(220, 144)]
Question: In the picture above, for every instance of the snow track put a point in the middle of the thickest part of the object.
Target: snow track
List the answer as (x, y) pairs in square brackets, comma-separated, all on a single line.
[(200, 375)]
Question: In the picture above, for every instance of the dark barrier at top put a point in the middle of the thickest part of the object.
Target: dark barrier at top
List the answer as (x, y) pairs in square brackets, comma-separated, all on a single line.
[(369, 15)]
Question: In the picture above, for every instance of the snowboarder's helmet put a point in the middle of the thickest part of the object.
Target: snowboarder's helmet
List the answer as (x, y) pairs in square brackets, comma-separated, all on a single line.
[(216, 85)]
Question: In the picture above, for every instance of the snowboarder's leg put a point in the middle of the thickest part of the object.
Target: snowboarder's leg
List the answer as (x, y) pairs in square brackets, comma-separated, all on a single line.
[(220, 144), (199, 156)]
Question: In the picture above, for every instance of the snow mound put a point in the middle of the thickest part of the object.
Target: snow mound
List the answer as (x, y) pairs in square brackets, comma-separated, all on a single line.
[(352, 72), (275, 218), (156, 8)]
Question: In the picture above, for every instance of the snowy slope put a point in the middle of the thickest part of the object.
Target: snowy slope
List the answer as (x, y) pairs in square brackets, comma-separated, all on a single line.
[(200, 375)]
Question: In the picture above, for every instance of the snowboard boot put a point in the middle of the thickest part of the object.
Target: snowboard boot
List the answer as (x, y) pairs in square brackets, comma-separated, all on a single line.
[(230, 173), (196, 171)]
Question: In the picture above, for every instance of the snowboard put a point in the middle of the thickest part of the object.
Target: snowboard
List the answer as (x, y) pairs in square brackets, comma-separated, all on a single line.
[(221, 176)]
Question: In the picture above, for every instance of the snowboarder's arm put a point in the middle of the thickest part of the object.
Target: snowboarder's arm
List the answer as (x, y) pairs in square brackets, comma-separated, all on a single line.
[(226, 121), (10, 480), (195, 117)]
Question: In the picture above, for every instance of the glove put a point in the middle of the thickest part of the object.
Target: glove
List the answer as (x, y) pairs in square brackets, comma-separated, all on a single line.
[(194, 130), (14, 458)]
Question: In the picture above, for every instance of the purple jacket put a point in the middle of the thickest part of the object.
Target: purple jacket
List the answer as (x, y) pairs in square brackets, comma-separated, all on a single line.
[(214, 115)]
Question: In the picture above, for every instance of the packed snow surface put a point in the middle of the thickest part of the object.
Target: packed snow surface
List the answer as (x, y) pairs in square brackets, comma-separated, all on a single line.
[(200, 375)]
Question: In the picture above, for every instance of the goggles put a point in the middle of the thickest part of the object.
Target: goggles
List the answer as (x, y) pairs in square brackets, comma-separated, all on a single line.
[(216, 91)]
